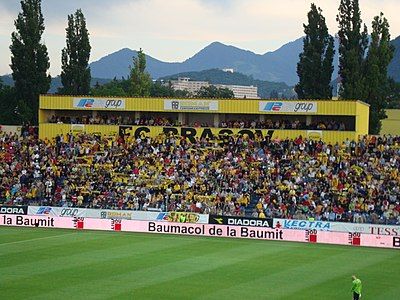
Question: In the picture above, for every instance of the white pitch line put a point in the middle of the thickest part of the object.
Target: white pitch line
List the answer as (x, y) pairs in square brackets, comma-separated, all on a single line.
[(36, 239)]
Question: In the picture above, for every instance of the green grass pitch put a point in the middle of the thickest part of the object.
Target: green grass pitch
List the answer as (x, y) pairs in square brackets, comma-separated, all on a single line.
[(38, 263)]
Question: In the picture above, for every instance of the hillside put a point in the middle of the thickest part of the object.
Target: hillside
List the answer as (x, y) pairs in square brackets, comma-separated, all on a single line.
[(394, 67), (7, 80), (278, 66), (265, 88)]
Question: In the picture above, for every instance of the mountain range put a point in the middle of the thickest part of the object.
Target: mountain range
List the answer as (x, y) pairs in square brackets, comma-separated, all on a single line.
[(277, 66), (394, 67)]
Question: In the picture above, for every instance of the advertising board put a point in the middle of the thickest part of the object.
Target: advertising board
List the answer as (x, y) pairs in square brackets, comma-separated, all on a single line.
[(184, 217), (297, 107), (212, 230), (13, 210), (195, 105), (240, 221), (337, 226), (98, 103), (57, 211)]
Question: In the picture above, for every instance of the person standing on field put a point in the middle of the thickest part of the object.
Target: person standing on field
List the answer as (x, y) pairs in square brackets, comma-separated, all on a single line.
[(356, 288)]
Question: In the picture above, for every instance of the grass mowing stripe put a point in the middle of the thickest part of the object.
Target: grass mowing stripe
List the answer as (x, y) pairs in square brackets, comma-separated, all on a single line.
[(295, 275), (190, 261), (118, 265), (20, 231), (238, 276), (374, 286), (83, 255), (34, 239), (23, 253)]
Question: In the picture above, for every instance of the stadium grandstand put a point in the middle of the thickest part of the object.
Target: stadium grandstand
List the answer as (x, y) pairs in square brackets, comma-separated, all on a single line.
[(240, 172), (330, 121)]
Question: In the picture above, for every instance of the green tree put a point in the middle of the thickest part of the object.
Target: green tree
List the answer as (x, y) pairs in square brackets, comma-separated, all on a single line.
[(352, 46), (182, 94), (8, 105), (113, 88), (75, 71), (161, 90), (213, 92), (394, 94), (29, 59), (140, 79), (274, 94), (377, 88), (315, 67)]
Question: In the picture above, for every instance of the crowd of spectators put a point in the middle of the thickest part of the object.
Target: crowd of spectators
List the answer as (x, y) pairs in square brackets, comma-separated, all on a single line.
[(113, 120), (164, 121), (353, 181), (284, 124)]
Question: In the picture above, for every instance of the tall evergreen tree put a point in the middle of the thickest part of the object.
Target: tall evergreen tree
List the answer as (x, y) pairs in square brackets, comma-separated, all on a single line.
[(75, 74), (140, 79), (29, 59), (315, 67), (8, 112), (352, 46), (377, 88)]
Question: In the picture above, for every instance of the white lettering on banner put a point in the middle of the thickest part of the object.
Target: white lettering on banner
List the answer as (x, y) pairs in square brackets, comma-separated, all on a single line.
[(261, 233), (376, 229), (198, 105), (287, 107), (248, 222), (11, 210), (92, 103)]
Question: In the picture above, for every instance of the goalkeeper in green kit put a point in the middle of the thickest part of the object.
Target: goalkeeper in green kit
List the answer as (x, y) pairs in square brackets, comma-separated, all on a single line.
[(356, 288)]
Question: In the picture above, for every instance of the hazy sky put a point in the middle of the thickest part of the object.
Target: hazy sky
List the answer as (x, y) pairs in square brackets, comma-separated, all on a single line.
[(174, 30)]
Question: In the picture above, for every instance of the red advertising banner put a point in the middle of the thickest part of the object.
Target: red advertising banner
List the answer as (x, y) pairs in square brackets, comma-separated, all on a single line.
[(260, 233)]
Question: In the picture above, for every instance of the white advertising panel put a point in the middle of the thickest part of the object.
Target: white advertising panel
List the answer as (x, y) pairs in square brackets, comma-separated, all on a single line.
[(197, 105), (338, 226), (56, 211), (298, 107), (117, 214), (95, 103), (258, 233)]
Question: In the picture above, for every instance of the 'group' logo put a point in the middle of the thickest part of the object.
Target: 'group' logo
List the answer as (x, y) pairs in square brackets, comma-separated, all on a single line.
[(273, 106)]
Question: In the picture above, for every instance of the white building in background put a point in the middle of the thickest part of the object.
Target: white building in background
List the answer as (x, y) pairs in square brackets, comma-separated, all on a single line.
[(185, 84), (239, 91)]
